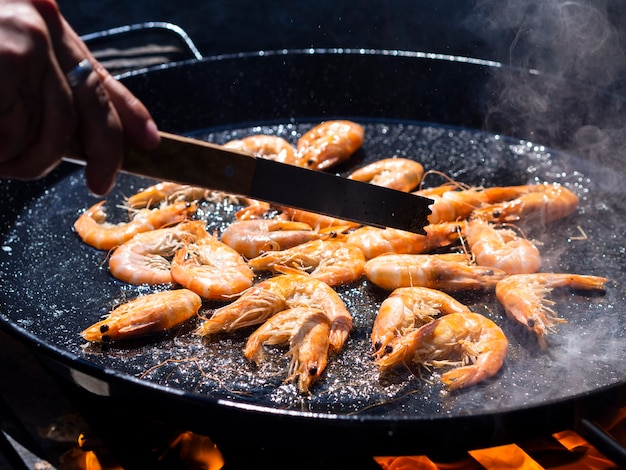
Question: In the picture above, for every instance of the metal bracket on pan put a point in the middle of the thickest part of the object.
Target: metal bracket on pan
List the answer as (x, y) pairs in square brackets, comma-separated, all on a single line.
[(603, 441), (17, 446)]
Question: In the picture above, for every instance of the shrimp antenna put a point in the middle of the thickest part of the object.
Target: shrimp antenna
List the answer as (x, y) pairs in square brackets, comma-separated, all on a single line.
[(515, 228), (450, 181), (464, 246), (131, 211)]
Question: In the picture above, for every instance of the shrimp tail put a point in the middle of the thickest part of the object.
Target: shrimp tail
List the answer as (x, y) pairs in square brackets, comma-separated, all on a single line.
[(465, 376), (462, 377), (339, 332)]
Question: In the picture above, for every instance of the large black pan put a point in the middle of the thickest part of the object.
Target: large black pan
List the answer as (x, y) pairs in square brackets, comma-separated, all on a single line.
[(432, 108)]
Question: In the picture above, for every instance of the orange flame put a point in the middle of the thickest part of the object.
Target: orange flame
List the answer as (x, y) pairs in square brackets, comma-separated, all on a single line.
[(565, 450), (197, 451), (574, 451), (193, 451)]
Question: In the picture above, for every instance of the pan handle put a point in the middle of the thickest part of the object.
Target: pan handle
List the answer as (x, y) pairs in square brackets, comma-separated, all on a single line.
[(136, 48), (603, 441)]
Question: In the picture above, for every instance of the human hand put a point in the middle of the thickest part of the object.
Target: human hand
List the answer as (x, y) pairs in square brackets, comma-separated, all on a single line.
[(39, 110)]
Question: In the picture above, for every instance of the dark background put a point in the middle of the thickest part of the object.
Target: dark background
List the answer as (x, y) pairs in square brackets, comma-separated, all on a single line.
[(243, 25), (582, 40)]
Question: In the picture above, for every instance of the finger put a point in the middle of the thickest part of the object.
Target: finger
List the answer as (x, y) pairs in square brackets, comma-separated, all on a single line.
[(99, 125), (139, 127), (101, 133)]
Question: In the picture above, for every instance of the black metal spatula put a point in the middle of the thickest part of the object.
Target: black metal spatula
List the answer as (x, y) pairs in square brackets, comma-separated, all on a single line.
[(195, 162)]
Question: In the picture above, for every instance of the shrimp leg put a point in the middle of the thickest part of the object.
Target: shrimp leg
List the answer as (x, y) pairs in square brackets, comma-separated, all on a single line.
[(406, 309), (468, 340), (523, 298), (267, 298), (333, 262)]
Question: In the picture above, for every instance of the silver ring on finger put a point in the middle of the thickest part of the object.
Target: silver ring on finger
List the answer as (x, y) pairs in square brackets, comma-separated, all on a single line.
[(79, 74)]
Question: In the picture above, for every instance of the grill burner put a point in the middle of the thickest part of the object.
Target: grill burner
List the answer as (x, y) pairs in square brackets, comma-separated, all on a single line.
[(27, 439)]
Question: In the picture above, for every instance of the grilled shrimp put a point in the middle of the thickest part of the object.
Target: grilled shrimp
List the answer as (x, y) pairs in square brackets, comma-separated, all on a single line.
[(401, 174), (375, 241), (468, 340), (448, 272), (451, 204), (166, 192), (406, 309), (211, 268), (253, 209), (146, 258), (271, 147), (148, 314), (523, 298), (315, 220), (334, 262), (93, 229), (279, 293), (328, 144), (250, 238), (307, 331), (539, 203), (501, 248), (454, 201), (309, 351)]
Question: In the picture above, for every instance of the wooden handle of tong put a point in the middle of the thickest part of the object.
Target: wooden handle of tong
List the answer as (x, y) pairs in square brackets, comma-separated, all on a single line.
[(186, 161)]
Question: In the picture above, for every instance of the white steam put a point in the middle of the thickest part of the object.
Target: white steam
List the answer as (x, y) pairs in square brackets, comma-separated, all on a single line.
[(566, 70)]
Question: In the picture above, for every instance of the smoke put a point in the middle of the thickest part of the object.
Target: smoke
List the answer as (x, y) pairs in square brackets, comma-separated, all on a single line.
[(568, 38), (565, 71)]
